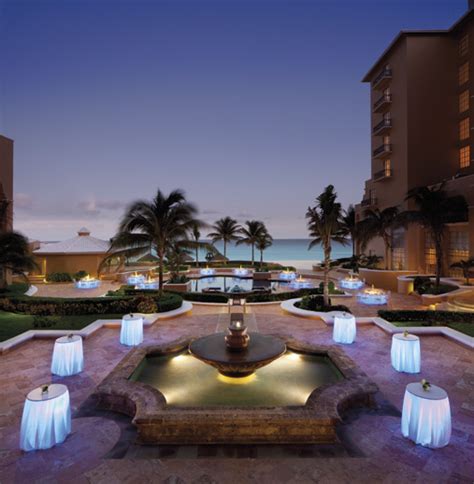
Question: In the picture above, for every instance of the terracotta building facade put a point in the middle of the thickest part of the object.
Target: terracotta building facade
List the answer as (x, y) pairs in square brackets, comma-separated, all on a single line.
[(6, 179), (422, 116)]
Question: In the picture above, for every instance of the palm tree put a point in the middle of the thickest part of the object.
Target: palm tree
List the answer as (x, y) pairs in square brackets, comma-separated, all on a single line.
[(465, 266), (160, 224), (379, 223), (226, 229), (196, 236), (349, 225), (435, 209), (325, 226), (264, 242), (250, 234), (15, 254)]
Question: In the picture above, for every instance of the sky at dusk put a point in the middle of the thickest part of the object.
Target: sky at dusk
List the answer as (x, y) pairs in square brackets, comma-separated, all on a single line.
[(251, 106)]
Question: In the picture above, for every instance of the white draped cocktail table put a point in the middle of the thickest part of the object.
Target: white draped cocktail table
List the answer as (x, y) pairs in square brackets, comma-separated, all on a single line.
[(426, 416), (46, 419), (68, 356), (131, 333), (344, 329), (405, 353)]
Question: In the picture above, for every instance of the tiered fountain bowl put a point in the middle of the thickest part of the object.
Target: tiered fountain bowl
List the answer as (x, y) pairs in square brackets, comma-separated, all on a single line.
[(207, 271), (301, 283), (148, 284), (135, 278), (372, 296), (237, 354), (351, 282), (88, 283), (287, 275), (241, 271)]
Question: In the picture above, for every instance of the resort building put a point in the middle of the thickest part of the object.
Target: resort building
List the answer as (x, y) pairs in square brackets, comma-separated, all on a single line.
[(6, 180), (81, 253), (421, 116)]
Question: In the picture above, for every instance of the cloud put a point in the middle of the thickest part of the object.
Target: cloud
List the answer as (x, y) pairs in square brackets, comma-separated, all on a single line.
[(23, 201), (95, 207), (210, 212)]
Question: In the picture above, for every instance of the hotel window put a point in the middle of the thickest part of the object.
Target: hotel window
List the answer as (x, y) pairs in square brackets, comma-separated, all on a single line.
[(464, 45), (464, 129), (398, 249), (430, 255), (463, 73), (387, 167), (464, 101), (386, 140), (458, 248), (465, 157)]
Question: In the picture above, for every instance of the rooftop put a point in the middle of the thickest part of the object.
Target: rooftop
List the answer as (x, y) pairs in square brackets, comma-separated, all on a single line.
[(83, 243)]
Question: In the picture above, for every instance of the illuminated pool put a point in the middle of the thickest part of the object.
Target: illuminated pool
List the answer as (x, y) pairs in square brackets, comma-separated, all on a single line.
[(187, 382)]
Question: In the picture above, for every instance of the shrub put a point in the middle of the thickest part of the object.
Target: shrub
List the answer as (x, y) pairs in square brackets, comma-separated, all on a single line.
[(316, 303), (59, 277), (178, 279), (146, 305), (424, 285), (432, 318), (44, 322), (204, 297), (80, 275), (62, 306)]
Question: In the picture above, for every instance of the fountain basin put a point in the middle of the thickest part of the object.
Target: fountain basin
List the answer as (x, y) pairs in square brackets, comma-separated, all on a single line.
[(165, 415), (87, 284)]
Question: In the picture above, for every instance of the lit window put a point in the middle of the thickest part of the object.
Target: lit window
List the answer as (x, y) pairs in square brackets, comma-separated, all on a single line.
[(465, 157), (463, 76), (464, 45), (386, 140), (464, 101), (464, 129), (386, 167)]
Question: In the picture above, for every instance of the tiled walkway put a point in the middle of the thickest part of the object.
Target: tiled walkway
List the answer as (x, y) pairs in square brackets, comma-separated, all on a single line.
[(100, 450)]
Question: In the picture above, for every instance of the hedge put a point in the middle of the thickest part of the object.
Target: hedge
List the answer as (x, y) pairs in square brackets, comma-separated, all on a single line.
[(283, 296), (50, 306), (432, 318)]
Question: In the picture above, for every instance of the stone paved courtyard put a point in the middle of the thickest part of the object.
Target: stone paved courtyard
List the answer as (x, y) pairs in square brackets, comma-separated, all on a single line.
[(101, 447)]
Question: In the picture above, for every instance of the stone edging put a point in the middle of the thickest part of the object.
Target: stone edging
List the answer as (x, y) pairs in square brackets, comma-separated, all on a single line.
[(159, 423), (289, 307), (91, 328)]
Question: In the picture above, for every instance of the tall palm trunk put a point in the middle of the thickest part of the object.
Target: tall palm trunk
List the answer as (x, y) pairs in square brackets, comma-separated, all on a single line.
[(161, 255), (261, 259), (327, 260), (253, 254), (225, 251), (3, 278)]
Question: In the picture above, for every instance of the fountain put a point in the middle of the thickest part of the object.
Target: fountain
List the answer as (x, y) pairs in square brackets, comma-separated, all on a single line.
[(287, 275), (372, 296), (301, 283), (237, 354), (207, 271), (135, 278), (351, 282), (240, 271), (88, 282), (148, 284)]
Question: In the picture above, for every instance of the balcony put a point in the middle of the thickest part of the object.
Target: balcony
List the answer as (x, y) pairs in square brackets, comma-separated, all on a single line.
[(383, 79), (383, 127), (368, 202), (382, 103), (382, 174), (382, 151)]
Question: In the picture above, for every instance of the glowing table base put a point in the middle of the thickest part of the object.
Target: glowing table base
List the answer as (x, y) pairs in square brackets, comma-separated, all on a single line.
[(68, 356)]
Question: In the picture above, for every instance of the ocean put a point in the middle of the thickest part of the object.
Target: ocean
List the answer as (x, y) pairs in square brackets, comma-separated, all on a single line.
[(285, 251)]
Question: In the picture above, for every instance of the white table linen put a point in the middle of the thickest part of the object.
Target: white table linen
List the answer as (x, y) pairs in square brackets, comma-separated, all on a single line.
[(344, 329), (405, 353), (426, 416), (68, 357), (46, 419), (131, 333)]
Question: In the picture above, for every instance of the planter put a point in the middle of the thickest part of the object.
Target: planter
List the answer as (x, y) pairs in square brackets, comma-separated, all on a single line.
[(178, 287)]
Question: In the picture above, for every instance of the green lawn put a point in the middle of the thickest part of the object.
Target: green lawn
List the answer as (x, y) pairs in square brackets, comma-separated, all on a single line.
[(12, 324), (466, 328)]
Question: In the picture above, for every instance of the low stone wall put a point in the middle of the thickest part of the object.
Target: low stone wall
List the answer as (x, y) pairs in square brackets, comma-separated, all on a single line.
[(157, 423)]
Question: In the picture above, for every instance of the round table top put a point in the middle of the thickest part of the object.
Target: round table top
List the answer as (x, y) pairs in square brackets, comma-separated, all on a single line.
[(132, 317), (65, 339), (410, 337), (434, 393), (347, 316), (55, 390)]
